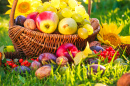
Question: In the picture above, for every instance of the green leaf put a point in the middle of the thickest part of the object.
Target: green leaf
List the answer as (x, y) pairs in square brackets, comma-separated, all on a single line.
[(22, 79), (2, 72), (30, 61)]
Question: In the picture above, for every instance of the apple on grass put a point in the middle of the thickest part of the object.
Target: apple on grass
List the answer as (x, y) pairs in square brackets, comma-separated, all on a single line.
[(47, 21), (33, 15), (67, 50)]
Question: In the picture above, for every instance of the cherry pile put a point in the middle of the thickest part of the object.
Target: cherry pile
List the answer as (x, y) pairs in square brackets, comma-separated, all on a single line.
[(20, 62), (108, 53)]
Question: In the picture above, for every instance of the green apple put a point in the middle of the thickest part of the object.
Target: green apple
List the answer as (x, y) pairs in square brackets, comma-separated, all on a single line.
[(67, 26)]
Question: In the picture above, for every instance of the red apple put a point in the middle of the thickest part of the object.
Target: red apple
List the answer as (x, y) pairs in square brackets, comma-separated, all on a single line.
[(32, 15), (65, 49), (47, 21)]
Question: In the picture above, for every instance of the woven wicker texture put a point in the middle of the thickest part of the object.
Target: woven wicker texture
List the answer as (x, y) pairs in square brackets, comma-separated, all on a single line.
[(32, 43), (127, 46)]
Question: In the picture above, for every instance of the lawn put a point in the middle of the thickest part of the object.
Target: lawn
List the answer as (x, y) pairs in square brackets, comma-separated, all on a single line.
[(115, 12)]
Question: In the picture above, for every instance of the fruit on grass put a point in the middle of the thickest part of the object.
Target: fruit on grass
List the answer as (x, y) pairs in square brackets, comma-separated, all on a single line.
[(124, 80), (22, 69), (82, 54), (62, 70), (35, 65), (68, 50), (20, 20), (46, 58), (108, 53), (47, 21), (89, 28), (62, 60), (67, 26), (83, 33), (92, 61), (43, 71), (95, 68), (97, 48), (26, 63), (33, 16), (30, 24), (119, 60)]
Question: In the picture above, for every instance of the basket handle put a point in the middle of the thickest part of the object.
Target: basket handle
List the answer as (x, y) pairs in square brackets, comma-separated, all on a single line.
[(11, 22)]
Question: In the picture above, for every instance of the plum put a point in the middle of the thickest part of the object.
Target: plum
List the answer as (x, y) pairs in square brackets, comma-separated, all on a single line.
[(20, 20), (46, 58), (97, 48), (43, 71), (35, 65), (95, 68), (124, 80), (91, 61), (22, 69)]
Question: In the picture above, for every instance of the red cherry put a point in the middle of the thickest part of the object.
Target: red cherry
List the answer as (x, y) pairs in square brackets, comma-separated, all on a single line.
[(104, 51), (20, 60)]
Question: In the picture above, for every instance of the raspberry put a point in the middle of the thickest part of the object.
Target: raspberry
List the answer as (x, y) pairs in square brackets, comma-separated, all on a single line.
[(20, 60)]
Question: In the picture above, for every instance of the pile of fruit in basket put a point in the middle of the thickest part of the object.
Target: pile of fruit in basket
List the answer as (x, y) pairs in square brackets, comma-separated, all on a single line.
[(57, 16)]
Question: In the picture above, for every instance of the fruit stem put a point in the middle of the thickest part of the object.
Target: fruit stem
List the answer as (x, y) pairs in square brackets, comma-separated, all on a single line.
[(47, 25)]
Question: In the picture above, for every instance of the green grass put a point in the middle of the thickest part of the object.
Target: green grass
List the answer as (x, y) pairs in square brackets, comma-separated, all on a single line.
[(75, 76)]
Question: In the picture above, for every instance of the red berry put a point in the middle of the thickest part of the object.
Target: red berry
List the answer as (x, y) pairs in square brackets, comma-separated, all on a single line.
[(10, 64), (109, 58), (32, 59), (102, 54), (104, 51), (95, 51), (20, 60), (37, 59), (110, 48), (107, 49), (25, 62), (5, 64), (14, 65), (22, 64)]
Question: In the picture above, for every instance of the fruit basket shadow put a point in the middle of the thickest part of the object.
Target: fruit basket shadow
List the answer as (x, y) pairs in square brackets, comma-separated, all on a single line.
[(32, 43)]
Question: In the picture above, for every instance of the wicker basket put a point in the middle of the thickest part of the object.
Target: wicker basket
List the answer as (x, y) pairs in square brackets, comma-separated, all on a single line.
[(127, 46), (32, 43)]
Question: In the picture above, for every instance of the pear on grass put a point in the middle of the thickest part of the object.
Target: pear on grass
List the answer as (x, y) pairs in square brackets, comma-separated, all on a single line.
[(82, 54)]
